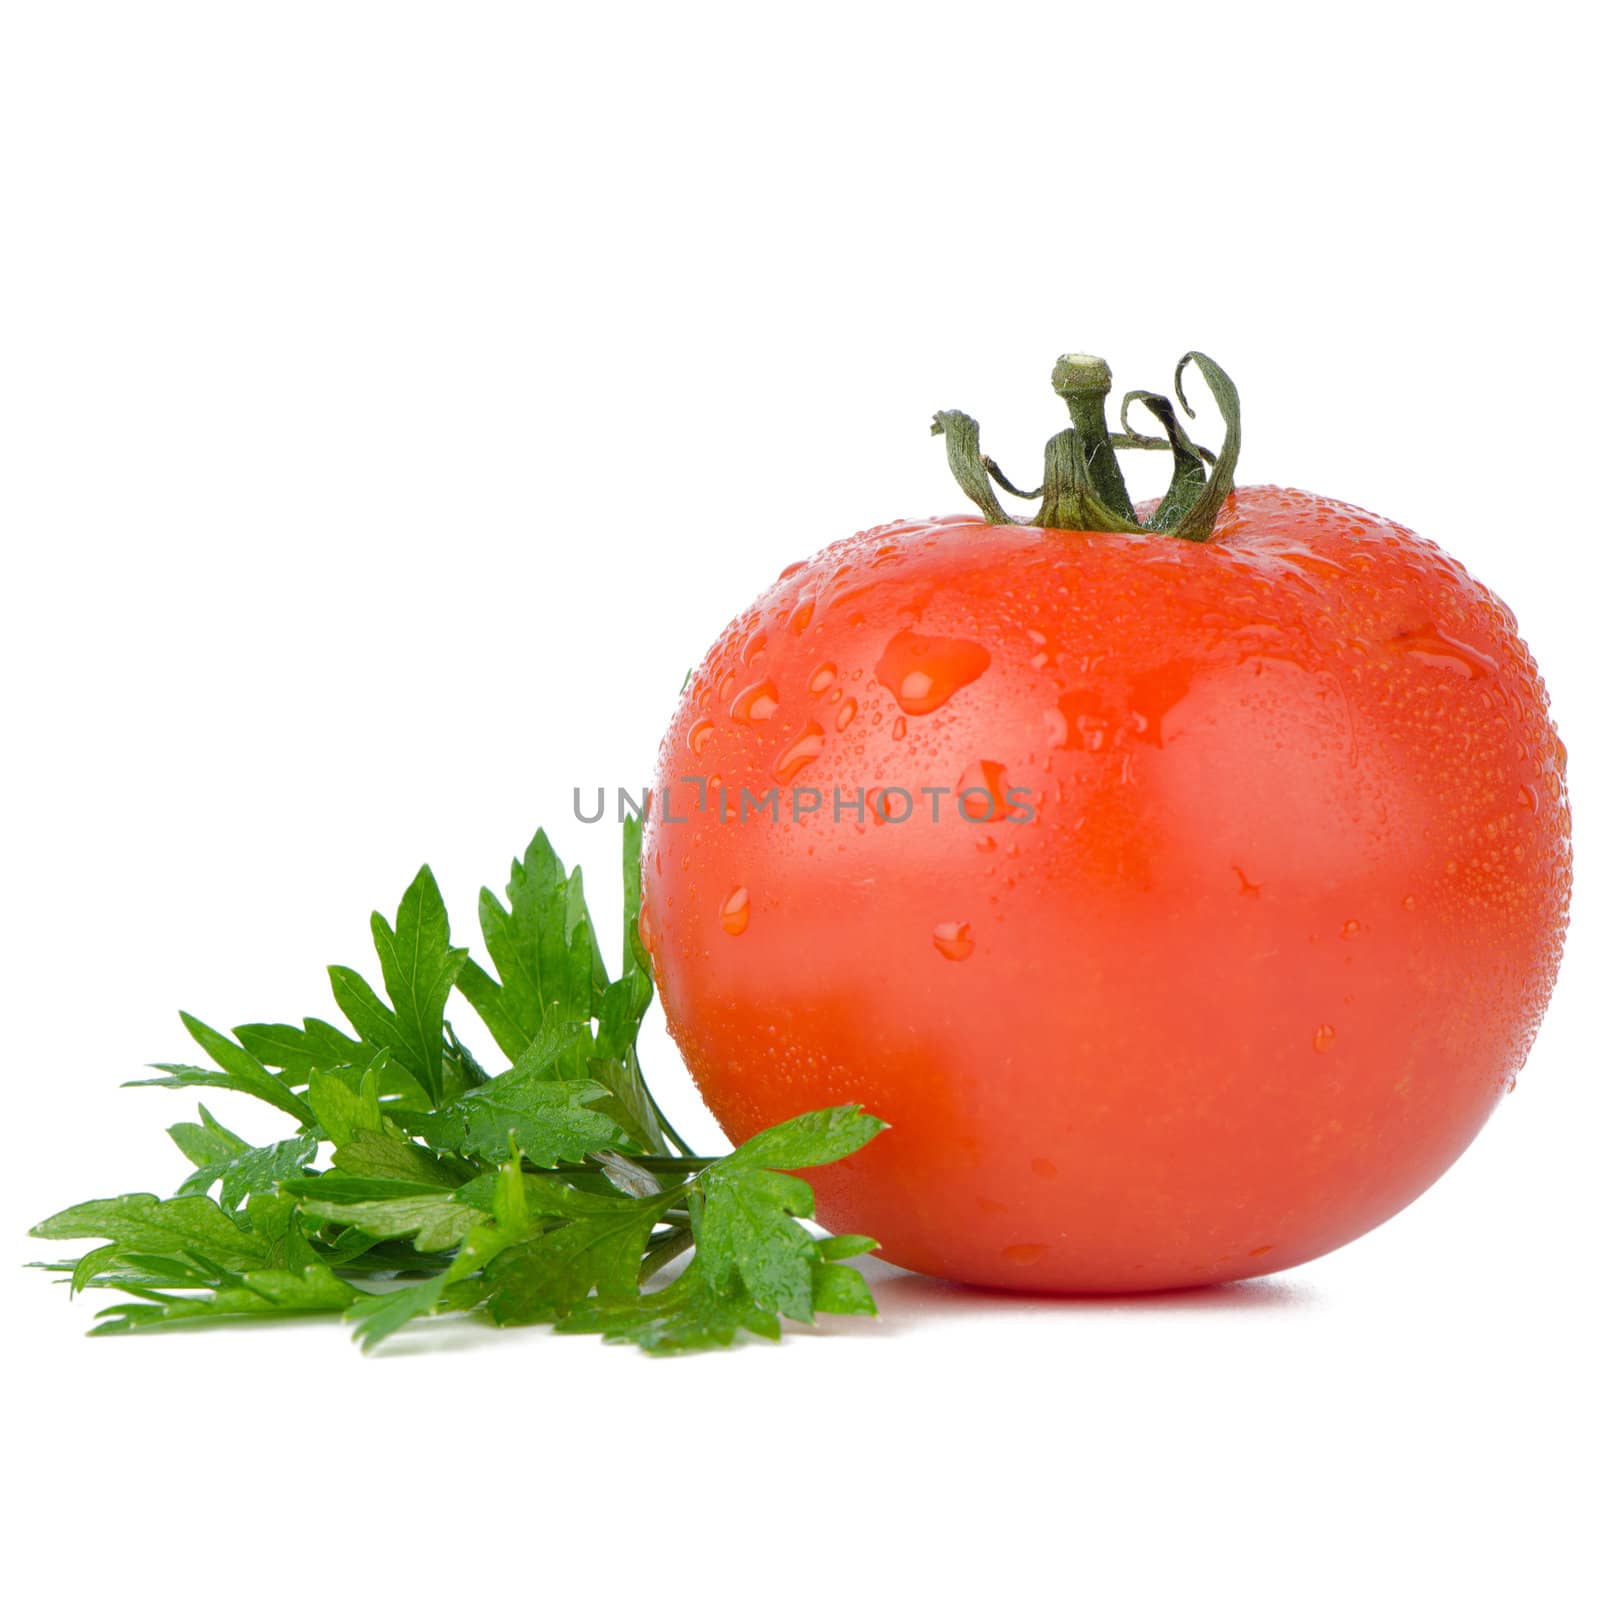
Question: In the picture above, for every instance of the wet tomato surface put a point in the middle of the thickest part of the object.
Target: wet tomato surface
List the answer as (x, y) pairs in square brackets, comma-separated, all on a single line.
[(1200, 903)]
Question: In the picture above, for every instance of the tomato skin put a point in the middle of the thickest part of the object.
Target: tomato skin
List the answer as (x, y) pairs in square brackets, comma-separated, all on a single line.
[(1266, 934)]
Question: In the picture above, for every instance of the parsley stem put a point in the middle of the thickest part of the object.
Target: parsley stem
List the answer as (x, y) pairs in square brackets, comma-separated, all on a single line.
[(667, 1248), (665, 1164)]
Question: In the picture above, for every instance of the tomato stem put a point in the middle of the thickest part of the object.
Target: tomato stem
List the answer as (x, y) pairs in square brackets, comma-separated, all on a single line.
[(1083, 484)]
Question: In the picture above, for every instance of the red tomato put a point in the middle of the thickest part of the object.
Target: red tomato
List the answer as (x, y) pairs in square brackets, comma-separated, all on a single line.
[(1241, 928)]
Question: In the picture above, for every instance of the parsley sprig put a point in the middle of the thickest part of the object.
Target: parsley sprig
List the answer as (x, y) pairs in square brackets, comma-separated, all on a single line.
[(414, 1181)]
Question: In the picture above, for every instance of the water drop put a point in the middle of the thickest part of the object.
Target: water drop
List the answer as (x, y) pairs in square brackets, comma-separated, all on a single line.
[(981, 793), (953, 940), (1024, 1255), (846, 715), (1409, 903), (735, 911), (1437, 649), (800, 617), (1350, 929), (700, 735), (800, 752), (755, 704), (1322, 1039), (898, 731), (923, 672), (823, 677), (647, 931), (1528, 799)]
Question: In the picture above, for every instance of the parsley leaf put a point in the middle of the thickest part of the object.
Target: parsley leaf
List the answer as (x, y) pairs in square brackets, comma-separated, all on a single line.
[(599, 1250), (419, 970), (270, 1292), (434, 1221), (242, 1169), (542, 950), (547, 1121), (240, 1070), (754, 1263), (142, 1223)]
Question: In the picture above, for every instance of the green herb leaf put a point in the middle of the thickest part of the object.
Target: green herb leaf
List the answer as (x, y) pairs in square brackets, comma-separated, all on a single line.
[(344, 1102), (241, 1169), (510, 1222), (266, 1293), (419, 969), (297, 1052), (814, 1139), (548, 1121), (366, 1154), (542, 948), (544, 1277), (240, 1070), (691, 1314), (432, 1221), (164, 1227)]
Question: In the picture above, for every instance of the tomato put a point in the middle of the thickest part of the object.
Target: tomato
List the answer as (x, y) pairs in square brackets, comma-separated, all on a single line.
[(1239, 922)]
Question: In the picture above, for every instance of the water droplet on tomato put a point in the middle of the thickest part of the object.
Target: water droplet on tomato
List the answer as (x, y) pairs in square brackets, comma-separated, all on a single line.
[(800, 752), (1350, 929), (846, 715), (800, 617), (1409, 903), (1437, 649), (1528, 799), (1024, 1255), (735, 911), (1322, 1039), (898, 731), (755, 704), (823, 677), (647, 931), (953, 940), (922, 672), (700, 735), (790, 570), (981, 793)]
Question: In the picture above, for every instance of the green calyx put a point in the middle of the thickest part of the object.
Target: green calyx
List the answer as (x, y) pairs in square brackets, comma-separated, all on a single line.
[(1083, 486)]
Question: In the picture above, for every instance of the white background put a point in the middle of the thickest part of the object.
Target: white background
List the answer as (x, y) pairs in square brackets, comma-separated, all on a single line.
[(396, 402)]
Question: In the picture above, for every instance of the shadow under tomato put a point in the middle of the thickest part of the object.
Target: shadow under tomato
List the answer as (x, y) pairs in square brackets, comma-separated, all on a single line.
[(906, 1295)]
